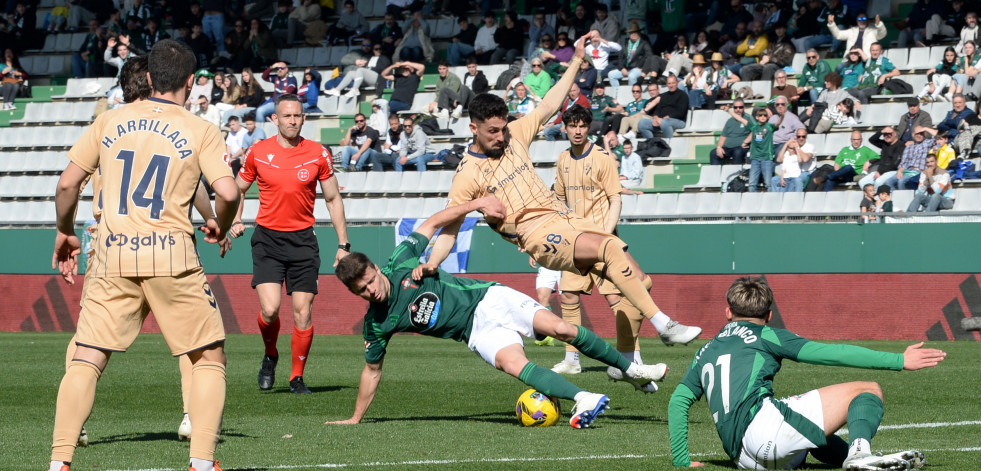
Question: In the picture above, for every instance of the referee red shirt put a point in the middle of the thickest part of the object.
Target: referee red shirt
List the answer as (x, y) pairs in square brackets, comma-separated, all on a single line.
[(288, 180)]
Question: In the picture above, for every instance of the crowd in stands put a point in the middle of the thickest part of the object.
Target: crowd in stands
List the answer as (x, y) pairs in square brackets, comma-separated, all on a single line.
[(676, 57)]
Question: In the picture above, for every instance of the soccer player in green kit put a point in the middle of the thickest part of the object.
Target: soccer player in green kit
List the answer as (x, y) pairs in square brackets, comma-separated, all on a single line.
[(490, 317), (735, 372)]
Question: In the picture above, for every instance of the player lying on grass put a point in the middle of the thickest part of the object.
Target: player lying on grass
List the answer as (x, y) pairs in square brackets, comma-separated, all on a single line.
[(490, 317), (735, 372)]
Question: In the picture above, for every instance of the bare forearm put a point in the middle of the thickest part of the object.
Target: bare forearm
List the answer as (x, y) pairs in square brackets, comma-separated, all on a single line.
[(202, 203), (614, 217), (66, 202), (558, 93), (337, 219), (370, 378)]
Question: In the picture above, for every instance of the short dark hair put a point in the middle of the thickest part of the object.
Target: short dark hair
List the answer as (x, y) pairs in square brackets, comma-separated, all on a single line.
[(286, 97), (232, 118), (577, 114), (361, 115), (250, 116), (444, 62), (749, 297), (352, 267), (626, 142), (408, 118), (133, 79), (942, 135), (472, 59), (170, 63), (833, 78), (486, 106)]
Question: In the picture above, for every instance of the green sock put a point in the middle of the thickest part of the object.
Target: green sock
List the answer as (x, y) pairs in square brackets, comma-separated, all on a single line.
[(864, 414), (548, 382), (594, 347)]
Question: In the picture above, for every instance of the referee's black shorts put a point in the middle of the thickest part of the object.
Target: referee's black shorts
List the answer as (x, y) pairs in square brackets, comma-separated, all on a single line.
[(290, 256)]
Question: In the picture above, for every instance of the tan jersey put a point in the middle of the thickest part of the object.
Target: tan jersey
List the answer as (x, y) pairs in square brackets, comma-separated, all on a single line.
[(512, 178), (586, 183), (151, 155)]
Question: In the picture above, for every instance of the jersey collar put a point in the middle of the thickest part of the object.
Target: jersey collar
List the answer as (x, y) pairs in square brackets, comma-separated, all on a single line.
[(161, 100), (584, 153), (475, 154)]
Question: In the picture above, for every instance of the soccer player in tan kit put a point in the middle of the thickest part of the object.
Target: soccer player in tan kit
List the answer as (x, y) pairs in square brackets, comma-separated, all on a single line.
[(498, 163), (151, 156)]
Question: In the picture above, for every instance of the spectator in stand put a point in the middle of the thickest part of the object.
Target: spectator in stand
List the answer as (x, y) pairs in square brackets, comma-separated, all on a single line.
[(379, 115), (557, 60), (365, 72), (309, 91), (679, 61), (253, 133), (860, 35), (249, 100), (580, 21), (884, 193), (882, 171), (415, 45), (236, 45), (877, 68), (940, 79), (699, 14), (843, 114), (811, 79), (203, 109), (812, 28), (231, 92), (214, 22), (916, 23), (122, 53), (414, 147), (949, 24), (392, 138), (151, 34), (751, 49), (868, 202), (462, 45), (602, 107), (387, 34), (934, 191), (279, 25), (952, 121), (631, 167), (198, 42), (720, 76), (729, 148), (913, 161), (599, 51), (304, 16), (968, 66), (399, 7), (785, 122), (574, 98), (84, 62), (450, 94), (360, 145), (233, 142), (608, 26), (797, 157), (520, 102), (283, 83), (759, 141), (735, 15), (587, 77), (475, 79), (217, 88), (777, 55), (830, 96), (139, 14), (670, 113), (510, 39), (406, 77), (780, 87), (78, 15), (851, 68), (942, 148), (848, 162), (14, 76), (484, 43), (700, 91), (969, 32), (261, 44), (911, 120), (634, 55), (351, 24), (537, 32), (728, 47), (632, 113)]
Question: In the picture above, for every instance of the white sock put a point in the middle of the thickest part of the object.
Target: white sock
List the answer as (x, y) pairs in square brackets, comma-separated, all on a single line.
[(637, 358), (660, 321), (629, 356), (572, 357), (860, 445), (579, 395), (202, 465), (56, 465)]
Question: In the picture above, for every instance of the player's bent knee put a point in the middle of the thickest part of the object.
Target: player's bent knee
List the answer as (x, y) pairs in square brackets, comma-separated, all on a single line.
[(565, 331), (871, 387), (570, 297), (213, 353)]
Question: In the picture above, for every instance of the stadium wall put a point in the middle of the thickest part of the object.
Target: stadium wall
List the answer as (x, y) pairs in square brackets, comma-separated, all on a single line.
[(893, 281)]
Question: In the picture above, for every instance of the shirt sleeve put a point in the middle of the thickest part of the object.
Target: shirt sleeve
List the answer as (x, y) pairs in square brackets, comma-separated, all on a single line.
[(248, 171), (85, 152), (326, 164), (375, 342), (608, 175), (817, 353), (678, 408)]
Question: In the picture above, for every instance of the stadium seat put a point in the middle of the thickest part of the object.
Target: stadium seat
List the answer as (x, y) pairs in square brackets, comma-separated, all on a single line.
[(710, 177), (376, 209), (445, 181), (288, 55), (813, 202), (547, 175), (835, 201), (446, 27), (421, 101), (899, 57), (936, 55), (352, 182), (679, 147), (63, 42), (321, 57), (817, 140), (251, 208), (57, 65), (708, 203), (853, 201), (356, 209), (770, 202), (750, 203), (336, 53), (373, 182), (543, 151), (729, 203), (836, 141), (666, 204), (304, 58), (432, 206), (938, 110), (792, 202), (919, 59), (83, 111), (966, 199), (392, 181), (645, 204), (78, 40), (688, 203), (902, 198), (628, 206), (412, 208)]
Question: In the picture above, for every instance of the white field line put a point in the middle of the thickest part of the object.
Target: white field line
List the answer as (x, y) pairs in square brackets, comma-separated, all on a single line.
[(378, 464)]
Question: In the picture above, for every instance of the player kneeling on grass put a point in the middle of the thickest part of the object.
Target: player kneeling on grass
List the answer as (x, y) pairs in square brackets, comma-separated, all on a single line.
[(490, 317), (735, 372)]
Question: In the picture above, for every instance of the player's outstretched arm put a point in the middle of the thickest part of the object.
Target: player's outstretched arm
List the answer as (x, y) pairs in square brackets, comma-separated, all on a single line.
[(228, 200), (557, 94), (450, 218), (678, 407), (916, 357), (335, 206), (67, 246), (202, 202), (370, 377)]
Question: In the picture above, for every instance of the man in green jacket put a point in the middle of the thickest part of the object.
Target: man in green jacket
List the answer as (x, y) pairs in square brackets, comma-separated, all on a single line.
[(811, 78), (450, 93)]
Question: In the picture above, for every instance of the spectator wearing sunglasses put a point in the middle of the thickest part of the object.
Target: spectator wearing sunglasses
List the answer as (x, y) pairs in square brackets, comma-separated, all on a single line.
[(729, 149), (861, 35)]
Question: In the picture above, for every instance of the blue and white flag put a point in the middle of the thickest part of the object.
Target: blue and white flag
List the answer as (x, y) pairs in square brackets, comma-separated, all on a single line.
[(456, 261)]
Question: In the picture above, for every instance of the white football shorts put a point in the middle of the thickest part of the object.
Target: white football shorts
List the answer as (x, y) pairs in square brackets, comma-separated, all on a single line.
[(547, 279), (501, 319), (771, 443)]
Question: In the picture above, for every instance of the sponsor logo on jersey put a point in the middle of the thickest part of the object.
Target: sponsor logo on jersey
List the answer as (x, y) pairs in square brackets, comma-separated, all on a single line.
[(424, 311), (407, 283), (303, 174), (367, 345), (270, 156), (135, 242)]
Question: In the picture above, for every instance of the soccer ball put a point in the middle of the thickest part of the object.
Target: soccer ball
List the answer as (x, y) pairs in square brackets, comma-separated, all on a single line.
[(535, 409)]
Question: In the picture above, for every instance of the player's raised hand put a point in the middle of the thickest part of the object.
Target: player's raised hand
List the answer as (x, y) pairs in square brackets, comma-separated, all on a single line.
[(916, 357), (583, 41), (65, 258), (424, 269)]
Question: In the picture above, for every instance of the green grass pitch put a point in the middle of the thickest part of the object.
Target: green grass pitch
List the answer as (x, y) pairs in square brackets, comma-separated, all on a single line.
[(438, 407)]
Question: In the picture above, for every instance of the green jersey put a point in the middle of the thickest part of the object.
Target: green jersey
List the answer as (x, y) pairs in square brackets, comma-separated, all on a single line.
[(441, 305), (598, 104), (735, 371), (761, 141), (635, 107)]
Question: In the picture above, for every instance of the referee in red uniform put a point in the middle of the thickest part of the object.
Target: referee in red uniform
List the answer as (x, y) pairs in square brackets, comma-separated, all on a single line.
[(284, 245)]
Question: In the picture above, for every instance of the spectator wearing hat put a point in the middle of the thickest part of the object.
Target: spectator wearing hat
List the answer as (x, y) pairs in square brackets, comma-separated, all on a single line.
[(912, 119), (202, 86), (721, 76), (635, 53), (700, 90)]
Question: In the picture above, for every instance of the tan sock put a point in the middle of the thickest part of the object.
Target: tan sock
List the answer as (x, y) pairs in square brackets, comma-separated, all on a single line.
[(184, 363), (70, 353), (75, 398), (207, 402), (572, 313), (628, 321), (619, 270), (648, 284)]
